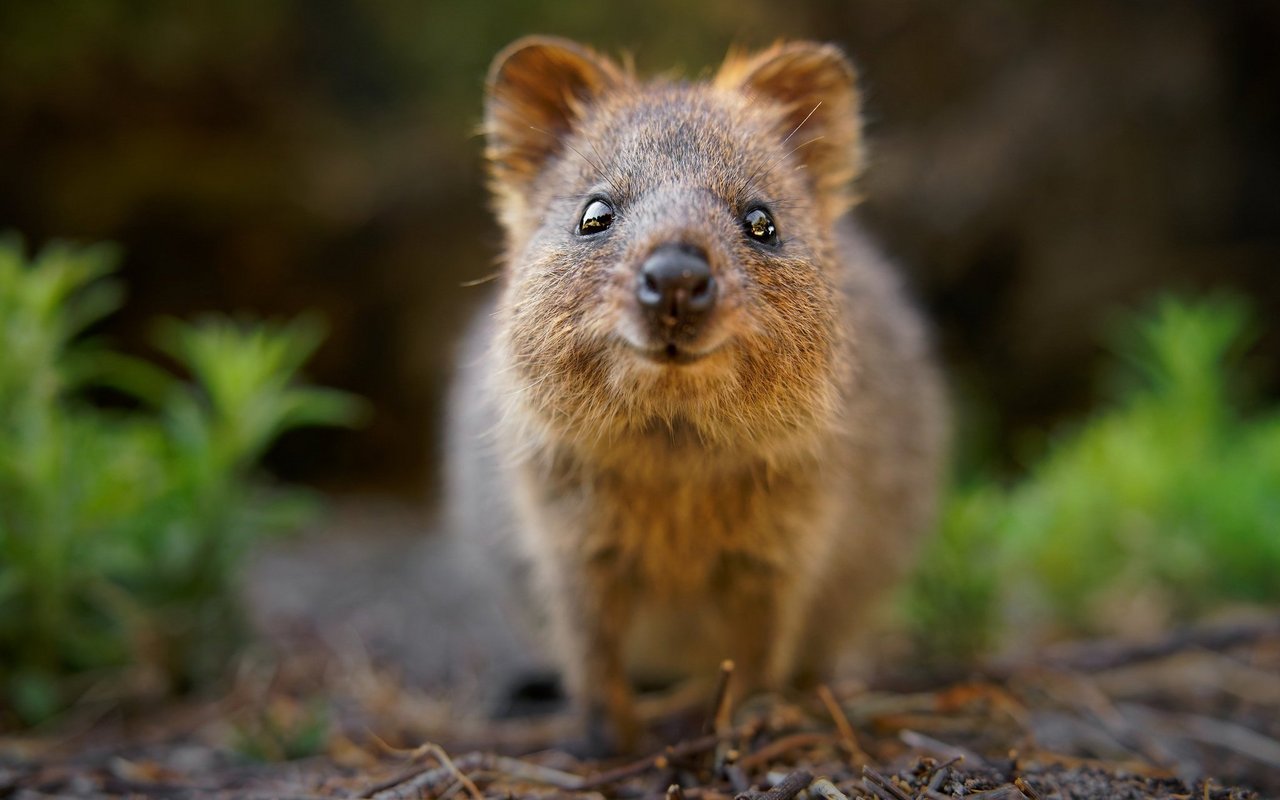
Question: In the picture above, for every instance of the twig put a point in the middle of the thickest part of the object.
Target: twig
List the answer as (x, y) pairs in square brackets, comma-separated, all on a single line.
[(1135, 766), (660, 760), (720, 718), (1218, 733), (721, 708), (847, 736), (505, 766), (429, 777), (784, 745), (1008, 792), (826, 790), (790, 786), (733, 771), (1105, 655), (509, 767), (399, 778), (939, 773), (451, 791), (881, 786), (1105, 712), (941, 749), (410, 785)]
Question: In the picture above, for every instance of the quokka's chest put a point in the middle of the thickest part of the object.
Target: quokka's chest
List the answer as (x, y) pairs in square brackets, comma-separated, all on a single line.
[(697, 539)]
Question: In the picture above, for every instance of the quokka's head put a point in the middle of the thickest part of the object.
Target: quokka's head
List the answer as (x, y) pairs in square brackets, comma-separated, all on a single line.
[(669, 245)]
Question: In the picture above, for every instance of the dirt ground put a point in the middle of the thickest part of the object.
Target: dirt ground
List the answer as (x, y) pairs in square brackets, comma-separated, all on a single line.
[(381, 672)]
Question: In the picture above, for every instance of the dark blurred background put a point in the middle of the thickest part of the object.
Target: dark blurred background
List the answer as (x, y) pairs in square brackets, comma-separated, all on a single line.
[(1037, 167)]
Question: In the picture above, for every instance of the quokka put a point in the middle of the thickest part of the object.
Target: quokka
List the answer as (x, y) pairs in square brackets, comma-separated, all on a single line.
[(700, 407)]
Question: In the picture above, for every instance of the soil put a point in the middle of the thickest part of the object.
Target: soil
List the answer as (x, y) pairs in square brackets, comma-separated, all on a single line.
[(379, 676)]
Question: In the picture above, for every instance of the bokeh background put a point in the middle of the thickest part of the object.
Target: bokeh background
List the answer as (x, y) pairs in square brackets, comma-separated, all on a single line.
[(1036, 167)]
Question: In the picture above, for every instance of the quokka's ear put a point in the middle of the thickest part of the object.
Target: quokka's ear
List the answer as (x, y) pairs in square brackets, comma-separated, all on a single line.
[(815, 87), (538, 89)]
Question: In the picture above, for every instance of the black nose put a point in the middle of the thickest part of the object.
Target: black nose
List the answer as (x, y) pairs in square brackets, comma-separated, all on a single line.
[(676, 289)]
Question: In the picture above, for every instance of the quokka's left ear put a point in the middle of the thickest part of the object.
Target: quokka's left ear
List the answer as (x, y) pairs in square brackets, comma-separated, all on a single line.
[(815, 88), (537, 92)]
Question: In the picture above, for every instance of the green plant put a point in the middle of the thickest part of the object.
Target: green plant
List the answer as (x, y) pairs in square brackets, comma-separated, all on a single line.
[(952, 601), (283, 729), (121, 531), (1160, 507)]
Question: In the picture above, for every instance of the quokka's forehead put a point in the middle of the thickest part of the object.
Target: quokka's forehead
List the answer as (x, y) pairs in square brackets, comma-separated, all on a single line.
[(689, 130)]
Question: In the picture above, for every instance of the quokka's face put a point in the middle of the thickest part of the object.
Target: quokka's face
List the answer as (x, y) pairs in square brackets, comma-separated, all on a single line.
[(670, 245)]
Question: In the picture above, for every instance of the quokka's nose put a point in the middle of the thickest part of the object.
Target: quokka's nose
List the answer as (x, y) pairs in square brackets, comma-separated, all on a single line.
[(676, 289)]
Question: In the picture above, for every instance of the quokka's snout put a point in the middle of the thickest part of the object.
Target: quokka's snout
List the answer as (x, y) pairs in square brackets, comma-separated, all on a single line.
[(676, 292)]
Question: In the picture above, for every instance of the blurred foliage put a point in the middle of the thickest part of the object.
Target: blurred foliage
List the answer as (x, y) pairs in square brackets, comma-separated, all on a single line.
[(122, 531), (1158, 508), (284, 729)]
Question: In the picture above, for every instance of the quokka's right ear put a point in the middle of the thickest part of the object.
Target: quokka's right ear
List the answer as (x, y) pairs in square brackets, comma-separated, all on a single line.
[(814, 87), (538, 89)]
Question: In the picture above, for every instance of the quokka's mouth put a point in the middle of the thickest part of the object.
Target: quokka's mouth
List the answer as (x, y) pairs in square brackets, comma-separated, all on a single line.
[(672, 354)]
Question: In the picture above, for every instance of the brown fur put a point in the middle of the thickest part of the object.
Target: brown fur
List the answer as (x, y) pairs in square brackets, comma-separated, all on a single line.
[(748, 505)]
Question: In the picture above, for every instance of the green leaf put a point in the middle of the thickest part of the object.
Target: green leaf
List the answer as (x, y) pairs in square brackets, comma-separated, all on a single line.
[(121, 531)]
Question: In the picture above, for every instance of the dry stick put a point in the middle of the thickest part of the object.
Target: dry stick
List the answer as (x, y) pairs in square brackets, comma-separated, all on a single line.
[(790, 786), (247, 796), (407, 784), (1234, 674), (1136, 766), (382, 787), (509, 767), (1099, 656), (517, 769), (736, 775), (438, 753), (451, 791), (939, 773), (1026, 788), (414, 783), (850, 739), (784, 745), (682, 750), (718, 719), (1101, 708), (826, 790), (1228, 735), (395, 780), (1009, 792), (940, 749), (881, 786)]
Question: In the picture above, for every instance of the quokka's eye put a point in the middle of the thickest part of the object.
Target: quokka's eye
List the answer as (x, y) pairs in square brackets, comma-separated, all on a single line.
[(597, 217), (759, 226)]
